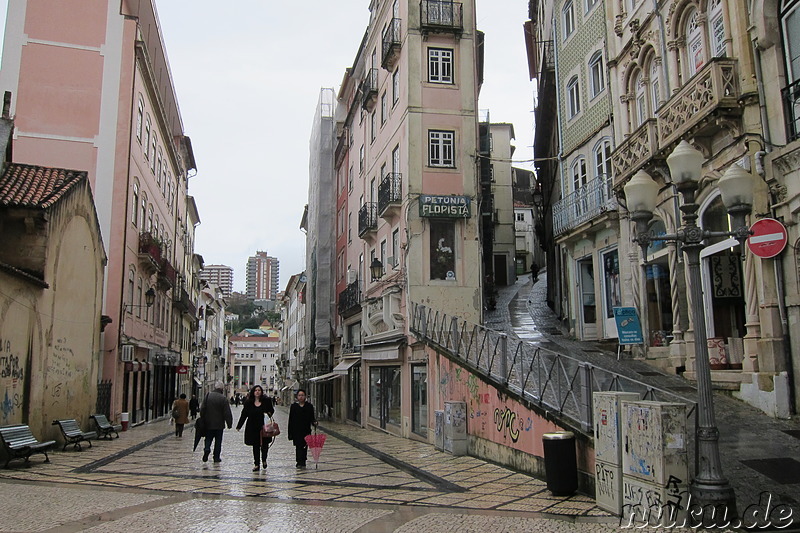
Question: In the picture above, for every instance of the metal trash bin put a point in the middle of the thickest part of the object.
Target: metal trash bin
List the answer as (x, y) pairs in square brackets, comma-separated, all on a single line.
[(560, 463)]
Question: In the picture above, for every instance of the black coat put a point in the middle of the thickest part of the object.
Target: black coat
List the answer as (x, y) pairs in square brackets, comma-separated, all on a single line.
[(255, 420), (300, 421)]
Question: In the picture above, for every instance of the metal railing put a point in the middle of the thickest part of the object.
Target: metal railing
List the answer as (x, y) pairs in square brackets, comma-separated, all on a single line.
[(441, 14), (791, 109), (555, 382), (367, 218), (369, 88), (350, 299), (390, 191), (390, 43), (583, 205)]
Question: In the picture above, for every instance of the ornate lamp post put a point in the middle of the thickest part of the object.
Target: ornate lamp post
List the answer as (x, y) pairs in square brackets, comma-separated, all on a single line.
[(710, 488)]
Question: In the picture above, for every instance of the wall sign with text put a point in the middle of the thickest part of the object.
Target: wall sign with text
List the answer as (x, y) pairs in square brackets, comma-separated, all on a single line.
[(437, 206)]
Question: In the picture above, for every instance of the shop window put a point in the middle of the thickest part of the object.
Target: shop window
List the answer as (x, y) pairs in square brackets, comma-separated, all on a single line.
[(612, 287), (419, 400), (442, 250)]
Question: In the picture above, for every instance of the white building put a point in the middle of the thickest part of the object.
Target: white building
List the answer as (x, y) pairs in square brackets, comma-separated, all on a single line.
[(254, 359)]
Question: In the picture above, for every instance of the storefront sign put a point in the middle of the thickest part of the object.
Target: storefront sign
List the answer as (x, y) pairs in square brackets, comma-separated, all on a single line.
[(182, 369), (434, 206), (629, 328)]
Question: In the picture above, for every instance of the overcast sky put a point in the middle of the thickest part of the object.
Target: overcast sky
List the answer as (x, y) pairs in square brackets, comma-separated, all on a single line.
[(248, 75)]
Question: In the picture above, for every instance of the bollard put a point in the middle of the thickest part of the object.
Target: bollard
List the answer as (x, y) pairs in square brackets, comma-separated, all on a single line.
[(123, 418)]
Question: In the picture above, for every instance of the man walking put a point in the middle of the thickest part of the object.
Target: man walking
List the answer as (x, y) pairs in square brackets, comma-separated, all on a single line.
[(216, 412)]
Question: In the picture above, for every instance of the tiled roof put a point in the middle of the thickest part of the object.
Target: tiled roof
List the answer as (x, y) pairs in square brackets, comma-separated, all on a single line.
[(34, 186)]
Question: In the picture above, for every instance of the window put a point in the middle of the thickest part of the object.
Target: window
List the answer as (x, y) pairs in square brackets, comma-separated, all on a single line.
[(573, 97), (135, 213), (440, 148), (655, 87), (695, 51), (150, 219), (384, 109), (717, 28), (396, 247), (520, 217), (147, 137), (361, 159), (602, 159), (144, 210), (139, 120), (578, 173), (372, 127), (159, 168), (383, 253), (350, 179), (131, 276), (790, 24), (442, 250), (568, 16), (641, 100), (350, 227), (590, 4), (440, 65), (596, 74), (395, 86), (139, 297), (153, 158)]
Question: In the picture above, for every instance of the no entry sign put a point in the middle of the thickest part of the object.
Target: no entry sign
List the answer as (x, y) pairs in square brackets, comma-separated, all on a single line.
[(768, 239)]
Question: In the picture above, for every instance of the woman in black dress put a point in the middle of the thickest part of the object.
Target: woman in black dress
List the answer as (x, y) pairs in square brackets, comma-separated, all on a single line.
[(301, 418), (255, 407)]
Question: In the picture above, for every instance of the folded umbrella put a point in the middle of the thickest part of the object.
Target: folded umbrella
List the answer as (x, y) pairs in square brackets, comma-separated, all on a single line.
[(199, 431), (315, 443)]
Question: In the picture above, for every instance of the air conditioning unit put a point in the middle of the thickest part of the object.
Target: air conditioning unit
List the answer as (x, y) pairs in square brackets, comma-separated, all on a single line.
[(352, 276), (127, 352)]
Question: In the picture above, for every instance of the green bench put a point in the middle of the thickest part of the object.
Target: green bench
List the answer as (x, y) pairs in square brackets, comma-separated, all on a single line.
[(73, 434), (104, 427), (19, 443)]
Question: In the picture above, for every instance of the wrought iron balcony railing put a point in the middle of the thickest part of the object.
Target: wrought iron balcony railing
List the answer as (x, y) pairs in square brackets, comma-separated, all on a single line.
[(441, 15), (713, 89), (166, 276), (390, 192), (367, 218), (791, 110), (350, 299), (391, 44), (583, 205), (149, 252), (369, 89)]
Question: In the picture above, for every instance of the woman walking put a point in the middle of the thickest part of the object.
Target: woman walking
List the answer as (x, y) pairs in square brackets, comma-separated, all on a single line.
[(301, 418), (255, 407), (180, 413)]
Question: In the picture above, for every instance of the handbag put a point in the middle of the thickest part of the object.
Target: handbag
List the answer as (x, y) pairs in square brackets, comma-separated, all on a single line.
[(270, 429), (176, 413)]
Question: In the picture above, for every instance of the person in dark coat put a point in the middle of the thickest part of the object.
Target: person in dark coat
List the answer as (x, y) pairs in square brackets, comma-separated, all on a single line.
[(217, 414), (180, 407), (194, 406), (301, 418), (255, 407)]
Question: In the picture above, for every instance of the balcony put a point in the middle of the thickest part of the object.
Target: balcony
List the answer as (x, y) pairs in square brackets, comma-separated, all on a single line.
[(693, 109), (791, 110), (369, 89), (166, 276), (390, 194), (391, 45), (149, 252), (350, 300), (635, 151), (367, 218), (584, 205), (183, 301), (441, 16)]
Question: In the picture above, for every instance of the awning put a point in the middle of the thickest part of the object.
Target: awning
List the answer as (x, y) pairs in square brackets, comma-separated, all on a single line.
[(343, 367), (325, 377)]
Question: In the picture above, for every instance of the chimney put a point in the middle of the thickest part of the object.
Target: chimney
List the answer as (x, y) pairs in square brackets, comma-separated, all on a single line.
[(6, 131)]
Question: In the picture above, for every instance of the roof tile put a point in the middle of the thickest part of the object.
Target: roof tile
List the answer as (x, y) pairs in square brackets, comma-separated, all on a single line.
[(34, 186)]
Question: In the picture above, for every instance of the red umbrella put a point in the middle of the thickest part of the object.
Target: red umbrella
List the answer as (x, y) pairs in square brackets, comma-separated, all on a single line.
[(315, 443)]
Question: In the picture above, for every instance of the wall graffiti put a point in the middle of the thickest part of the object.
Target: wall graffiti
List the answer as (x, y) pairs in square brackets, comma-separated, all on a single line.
[(12, 376), (506, 422), (605, 481), (10, 367)]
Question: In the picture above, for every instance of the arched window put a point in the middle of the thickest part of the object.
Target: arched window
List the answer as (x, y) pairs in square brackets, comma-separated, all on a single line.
[(135, 209), (147, 137), (139, 119), (578, 172), (158, 168), (131, 277), (144, 211), (150, 219), (568, 16), (655, 87), (597, 78), (716, 28), (640, 107), (790, 24), (153, 159), (573, 97), (695, 47), (602, 159), (155, 227)]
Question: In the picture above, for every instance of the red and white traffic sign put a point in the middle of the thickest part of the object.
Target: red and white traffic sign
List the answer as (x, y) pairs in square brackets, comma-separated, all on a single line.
[(768, 239)]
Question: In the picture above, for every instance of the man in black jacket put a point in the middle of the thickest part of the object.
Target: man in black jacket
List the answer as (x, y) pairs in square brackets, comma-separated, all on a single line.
[(216, 413)]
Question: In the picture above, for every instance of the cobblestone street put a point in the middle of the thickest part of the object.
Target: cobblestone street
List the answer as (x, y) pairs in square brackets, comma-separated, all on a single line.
[(149, 480)]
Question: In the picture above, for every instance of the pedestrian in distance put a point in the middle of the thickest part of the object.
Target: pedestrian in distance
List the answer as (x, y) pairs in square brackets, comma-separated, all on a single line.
[(216, 412), (237, 400), (194, 406), (180, 413), (255, 407), (534, 271), (301, 418)]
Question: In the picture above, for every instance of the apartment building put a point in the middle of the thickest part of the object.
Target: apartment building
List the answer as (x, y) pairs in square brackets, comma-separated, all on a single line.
[(219, 275), (407, 229), (263, 274), (93, 91)]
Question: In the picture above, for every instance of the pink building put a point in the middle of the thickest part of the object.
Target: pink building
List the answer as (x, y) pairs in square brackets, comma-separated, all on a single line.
[(92, 90)]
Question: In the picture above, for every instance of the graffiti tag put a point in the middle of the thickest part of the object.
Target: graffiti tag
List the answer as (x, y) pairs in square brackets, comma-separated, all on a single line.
[(506, 423), (10, 367)]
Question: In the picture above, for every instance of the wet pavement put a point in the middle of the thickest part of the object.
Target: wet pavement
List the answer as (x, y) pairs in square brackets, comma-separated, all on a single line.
[(149, 480), (760, 455)]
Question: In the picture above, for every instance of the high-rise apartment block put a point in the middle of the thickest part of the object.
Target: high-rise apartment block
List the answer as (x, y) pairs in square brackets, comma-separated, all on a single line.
[(263, 274), (219, 275)]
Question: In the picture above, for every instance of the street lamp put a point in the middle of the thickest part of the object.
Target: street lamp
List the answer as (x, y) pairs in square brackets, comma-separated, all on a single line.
[(709, 489), (376, 269)]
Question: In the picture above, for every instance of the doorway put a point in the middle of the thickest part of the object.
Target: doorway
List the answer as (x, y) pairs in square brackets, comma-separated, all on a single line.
[(500, 270), (384, 395), (587, 305)]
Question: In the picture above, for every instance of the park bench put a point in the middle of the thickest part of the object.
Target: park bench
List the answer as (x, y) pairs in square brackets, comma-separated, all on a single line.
[(104, 427), (19, 443), (73, 434)]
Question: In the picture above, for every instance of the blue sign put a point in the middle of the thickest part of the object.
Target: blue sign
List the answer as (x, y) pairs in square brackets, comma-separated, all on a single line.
[(629, 329)]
